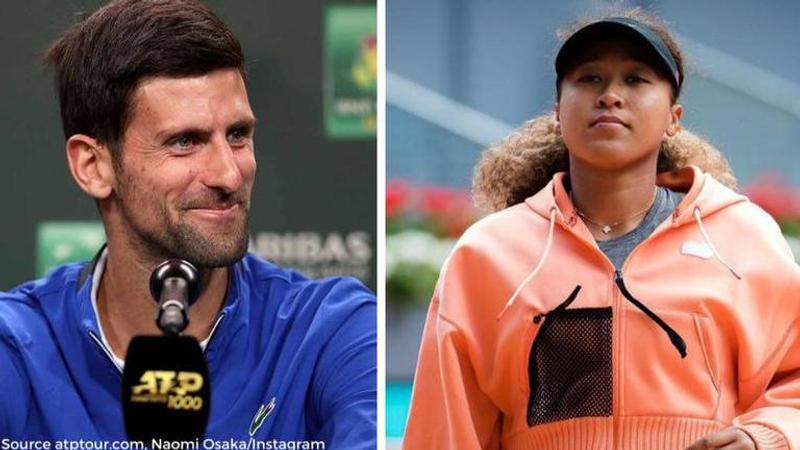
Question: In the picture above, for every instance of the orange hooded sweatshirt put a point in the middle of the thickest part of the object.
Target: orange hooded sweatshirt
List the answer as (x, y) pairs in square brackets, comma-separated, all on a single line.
[(534, 341)]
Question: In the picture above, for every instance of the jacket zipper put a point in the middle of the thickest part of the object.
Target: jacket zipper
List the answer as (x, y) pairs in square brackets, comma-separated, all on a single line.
[(213, 330), (616, 364), (674, 337), (564, 305), (617, 324), (105, 350), (537, 319)]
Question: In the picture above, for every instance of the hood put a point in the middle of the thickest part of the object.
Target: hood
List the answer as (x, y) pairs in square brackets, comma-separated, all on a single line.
[(703, 192)]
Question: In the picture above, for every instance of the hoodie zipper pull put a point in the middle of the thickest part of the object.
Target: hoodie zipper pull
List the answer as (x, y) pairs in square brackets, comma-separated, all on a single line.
[(675, 338), (572, 296)]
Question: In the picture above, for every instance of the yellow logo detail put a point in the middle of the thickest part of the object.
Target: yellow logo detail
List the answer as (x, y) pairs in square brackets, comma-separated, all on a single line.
[(170, 387)]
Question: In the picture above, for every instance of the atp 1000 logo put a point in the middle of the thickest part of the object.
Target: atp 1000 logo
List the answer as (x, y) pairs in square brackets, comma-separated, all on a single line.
[(170, 387)]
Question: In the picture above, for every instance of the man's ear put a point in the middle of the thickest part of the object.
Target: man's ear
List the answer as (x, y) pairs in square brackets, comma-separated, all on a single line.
[(90, 165)]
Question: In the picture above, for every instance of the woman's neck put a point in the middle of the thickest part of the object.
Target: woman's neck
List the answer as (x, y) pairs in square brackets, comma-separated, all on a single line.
[(618, 199)]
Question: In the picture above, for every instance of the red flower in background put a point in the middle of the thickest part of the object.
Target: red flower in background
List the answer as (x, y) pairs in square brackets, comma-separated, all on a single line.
[(445, 211), (450, 208), (772, 193), (398, 193)]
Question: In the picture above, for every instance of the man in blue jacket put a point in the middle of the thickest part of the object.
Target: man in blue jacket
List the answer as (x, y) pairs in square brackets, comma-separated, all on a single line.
[(160, 133)]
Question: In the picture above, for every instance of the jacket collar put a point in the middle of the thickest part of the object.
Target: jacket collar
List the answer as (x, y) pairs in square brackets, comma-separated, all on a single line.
[(233, 315), (702, 191)]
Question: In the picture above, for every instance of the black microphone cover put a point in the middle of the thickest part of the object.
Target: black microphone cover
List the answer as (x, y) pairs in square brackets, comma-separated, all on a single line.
[(166, 393), (175, 268), (174, 285)]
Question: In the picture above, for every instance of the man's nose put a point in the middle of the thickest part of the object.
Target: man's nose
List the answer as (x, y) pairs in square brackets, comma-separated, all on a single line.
[(221, 170)]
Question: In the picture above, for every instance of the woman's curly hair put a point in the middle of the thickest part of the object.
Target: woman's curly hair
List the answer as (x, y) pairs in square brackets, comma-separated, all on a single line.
[(524, 162)]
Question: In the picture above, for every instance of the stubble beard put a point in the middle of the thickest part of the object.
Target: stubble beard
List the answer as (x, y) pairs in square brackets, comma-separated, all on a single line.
[(173, 237), (204, 251)]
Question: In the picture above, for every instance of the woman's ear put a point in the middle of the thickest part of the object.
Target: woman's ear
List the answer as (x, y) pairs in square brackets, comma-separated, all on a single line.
[(558, 118), (675, 120), (91, 166)]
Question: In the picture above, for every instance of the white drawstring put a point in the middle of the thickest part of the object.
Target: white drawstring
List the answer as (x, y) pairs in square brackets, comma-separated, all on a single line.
[(539, 265), (711, 244)]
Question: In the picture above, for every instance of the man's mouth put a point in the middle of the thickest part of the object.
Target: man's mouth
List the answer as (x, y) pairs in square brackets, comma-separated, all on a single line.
[(219, 206), (219, 211)]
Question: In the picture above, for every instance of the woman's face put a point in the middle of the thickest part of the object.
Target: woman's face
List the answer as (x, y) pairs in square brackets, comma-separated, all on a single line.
[(615, 109)]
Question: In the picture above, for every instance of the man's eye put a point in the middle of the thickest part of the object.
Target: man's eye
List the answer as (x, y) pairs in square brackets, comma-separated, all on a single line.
[(183, 142), (238, 136)]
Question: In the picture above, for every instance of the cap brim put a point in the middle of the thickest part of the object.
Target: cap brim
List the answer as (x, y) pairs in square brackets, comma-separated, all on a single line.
[(617, 28)]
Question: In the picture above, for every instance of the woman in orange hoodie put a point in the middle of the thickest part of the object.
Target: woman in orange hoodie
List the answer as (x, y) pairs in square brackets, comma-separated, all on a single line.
[(623, 296)]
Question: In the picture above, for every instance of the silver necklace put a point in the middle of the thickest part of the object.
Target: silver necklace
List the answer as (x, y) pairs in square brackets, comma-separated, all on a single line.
[(606, 228)]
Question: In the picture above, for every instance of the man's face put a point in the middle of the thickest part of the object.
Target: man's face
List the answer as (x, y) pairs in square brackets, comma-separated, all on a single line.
[(186, 168)]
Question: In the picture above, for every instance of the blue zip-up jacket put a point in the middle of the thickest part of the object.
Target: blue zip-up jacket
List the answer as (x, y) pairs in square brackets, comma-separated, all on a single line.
[(310, 345)]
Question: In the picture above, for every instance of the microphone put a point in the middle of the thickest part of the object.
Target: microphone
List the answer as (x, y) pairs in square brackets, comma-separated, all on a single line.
[(165, 387), (174, 286)]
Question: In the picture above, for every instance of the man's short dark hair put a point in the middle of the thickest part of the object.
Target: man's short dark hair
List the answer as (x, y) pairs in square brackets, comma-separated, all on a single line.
[(100, 61)]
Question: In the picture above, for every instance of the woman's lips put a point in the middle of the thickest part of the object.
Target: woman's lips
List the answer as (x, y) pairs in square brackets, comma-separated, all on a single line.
[(608, 121)]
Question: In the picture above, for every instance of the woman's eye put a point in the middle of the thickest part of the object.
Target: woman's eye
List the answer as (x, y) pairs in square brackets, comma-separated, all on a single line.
[(588, 78), (633, 79)]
